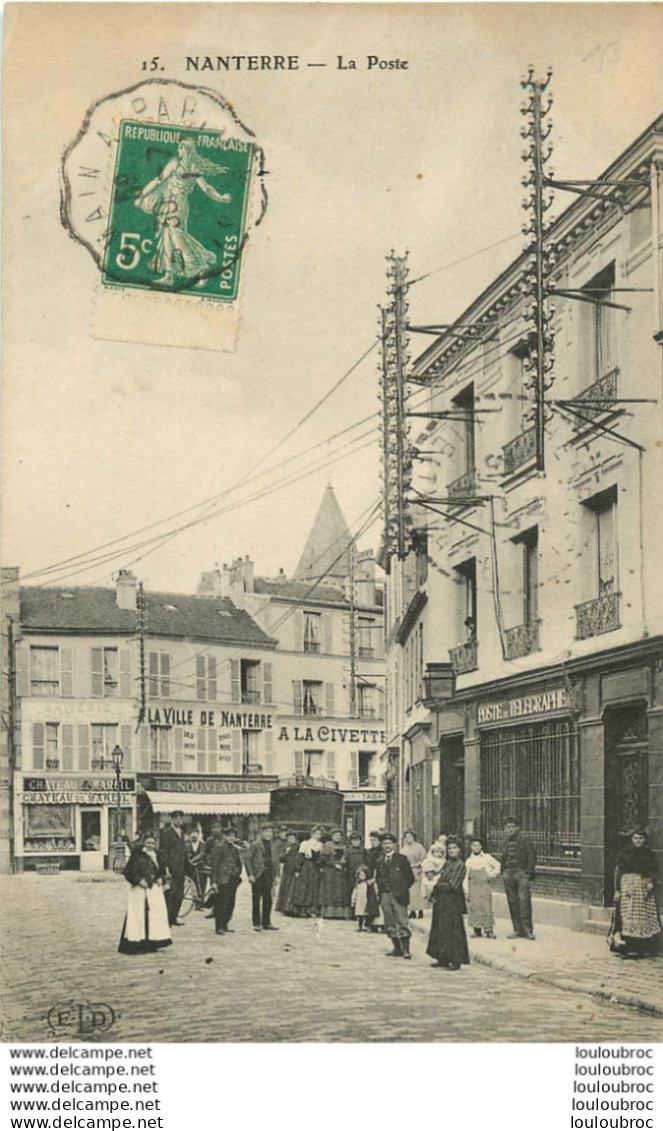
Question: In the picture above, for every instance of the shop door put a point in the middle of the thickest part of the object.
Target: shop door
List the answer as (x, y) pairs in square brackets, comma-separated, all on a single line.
[(92, 853), (355, 820), (452, 785), (626, 782)]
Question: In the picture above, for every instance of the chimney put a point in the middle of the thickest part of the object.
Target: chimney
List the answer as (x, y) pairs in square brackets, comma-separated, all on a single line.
[(11, 593), (125, 590)]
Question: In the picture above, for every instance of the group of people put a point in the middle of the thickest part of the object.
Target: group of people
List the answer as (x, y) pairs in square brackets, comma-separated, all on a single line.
[(381, 887)]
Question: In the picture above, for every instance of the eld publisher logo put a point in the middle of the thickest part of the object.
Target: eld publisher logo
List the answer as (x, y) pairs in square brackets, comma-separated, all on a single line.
[(80, 1018)]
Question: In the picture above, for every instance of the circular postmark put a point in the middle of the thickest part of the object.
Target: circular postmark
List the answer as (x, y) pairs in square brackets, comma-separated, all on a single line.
[(162, 185)]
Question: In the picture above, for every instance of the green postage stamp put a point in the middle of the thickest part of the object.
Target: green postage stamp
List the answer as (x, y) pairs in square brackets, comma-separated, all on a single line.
[(178, 210)]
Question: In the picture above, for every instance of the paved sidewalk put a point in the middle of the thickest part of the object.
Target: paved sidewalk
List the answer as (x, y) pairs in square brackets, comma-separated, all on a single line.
[(570, 960)]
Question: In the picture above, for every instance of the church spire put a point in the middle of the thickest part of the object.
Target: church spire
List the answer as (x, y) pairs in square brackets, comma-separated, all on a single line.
[(329, 539)]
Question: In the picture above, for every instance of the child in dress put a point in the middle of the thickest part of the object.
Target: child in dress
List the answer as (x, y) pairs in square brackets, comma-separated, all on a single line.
[(431, 868), (359, 898)]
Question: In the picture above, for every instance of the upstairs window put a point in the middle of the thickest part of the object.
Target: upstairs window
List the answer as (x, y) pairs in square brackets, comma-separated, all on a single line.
[(311, 697), (312, 632), (366, 640), (206, 678), (45, 671), (600, 331), (528, 545), (603, 517), (466, 576), (159, 675), (105, 669), (104, 739), (250, 681), (465, 427)]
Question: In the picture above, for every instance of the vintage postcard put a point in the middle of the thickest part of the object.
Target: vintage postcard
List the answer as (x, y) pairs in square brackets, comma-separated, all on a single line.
[(332, 698)]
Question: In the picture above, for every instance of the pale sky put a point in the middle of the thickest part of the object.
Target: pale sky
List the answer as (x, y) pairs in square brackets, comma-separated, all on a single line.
[(102, 438)]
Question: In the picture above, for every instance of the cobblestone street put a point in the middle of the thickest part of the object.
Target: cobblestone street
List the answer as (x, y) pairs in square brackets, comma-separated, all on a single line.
[(309, 982)]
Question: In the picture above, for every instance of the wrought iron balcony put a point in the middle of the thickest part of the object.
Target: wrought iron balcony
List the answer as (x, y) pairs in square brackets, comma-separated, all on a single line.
[(463, 488), (160, 766), (368, 781), (522, 640), (519, 450), (598, 616), (249, 695), (311, 646), (464, 658), (598, 397)]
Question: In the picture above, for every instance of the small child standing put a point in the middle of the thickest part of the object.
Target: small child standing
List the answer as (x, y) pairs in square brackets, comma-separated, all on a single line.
[(359, 897)]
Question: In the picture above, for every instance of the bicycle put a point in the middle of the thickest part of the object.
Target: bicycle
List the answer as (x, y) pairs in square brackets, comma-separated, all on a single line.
[(192, 900)]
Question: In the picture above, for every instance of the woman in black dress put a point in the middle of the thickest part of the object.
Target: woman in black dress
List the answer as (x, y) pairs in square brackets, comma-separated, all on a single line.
[(306, 889), (284, 902), (145, 926), (447, 942)]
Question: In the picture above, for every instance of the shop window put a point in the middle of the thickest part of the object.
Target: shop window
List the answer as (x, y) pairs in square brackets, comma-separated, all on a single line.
[(312, 622), (206, 678), (159, 675), (48, 828), (251, 752), (104, 739), (45, 671)]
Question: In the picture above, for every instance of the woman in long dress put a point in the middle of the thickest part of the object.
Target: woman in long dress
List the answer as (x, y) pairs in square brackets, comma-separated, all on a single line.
[(374, 919), (145, 926), (447, 942), (481, 868), (334, 893), (284, 902), (166, 197), (306, 890), (416, 854), (637, 916)]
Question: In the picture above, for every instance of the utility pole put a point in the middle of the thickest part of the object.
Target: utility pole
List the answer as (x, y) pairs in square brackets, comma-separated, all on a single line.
[(141, 605), (537, 204), (353, 637), (396, 451)]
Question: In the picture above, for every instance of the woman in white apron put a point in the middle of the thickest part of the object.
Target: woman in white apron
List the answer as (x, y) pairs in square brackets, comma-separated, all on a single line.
[(146, 922)]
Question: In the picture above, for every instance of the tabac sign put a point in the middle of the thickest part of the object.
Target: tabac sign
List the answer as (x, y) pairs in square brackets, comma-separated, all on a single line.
[(544, 703)]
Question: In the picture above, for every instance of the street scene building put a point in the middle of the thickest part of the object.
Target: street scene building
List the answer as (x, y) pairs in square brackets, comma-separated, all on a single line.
[(523, 611)]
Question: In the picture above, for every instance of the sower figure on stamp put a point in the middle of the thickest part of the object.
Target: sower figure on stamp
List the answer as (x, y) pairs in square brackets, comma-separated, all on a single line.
[(174, 854), (518, 867), (226, 876), (394, 878), (262, 868)]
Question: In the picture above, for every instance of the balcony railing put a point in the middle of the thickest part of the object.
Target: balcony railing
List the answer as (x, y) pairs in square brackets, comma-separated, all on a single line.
[(519, 450), (368, 781), (161, 766), (52, 763), (598, 397), (301, 781), (464, 487), (598, 616), (250, 696), (311, 645), (464, 658), (522, 640), (366, 651)]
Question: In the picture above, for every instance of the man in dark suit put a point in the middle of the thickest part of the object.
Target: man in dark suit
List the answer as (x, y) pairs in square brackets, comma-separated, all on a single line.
[(518, 867), (262, 868), (394, 878), (173, 851), (225, 875)]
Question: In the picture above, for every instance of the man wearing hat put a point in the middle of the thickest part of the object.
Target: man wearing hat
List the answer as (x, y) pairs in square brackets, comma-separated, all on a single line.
[(262, 868), (173, 852), (394, 878), (226, 876)]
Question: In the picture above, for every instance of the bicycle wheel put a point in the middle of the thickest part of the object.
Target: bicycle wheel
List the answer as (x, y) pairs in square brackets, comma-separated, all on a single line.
[(190, 897)]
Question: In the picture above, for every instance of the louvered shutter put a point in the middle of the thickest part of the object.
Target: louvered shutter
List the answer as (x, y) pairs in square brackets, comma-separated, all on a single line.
[(145, 748), (235, 687), (237, 752), (165, 674), (97, 671), (201, 666), (212, 752), (354, 769), (299, 761), (67, 746), (211, 679), (153, 668), (83, 747), (267, 682), (125, 673), (179, 753), (327, 633), (381, 703), (66, 672), (268, 739), (329, 699), (202, 751), (22, 660), (126, 740), (331, 765), (298, 628), (297, 697), (37, 746)]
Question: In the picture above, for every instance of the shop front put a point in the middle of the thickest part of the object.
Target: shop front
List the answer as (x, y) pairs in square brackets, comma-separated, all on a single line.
[(71, 821), (365, 811), (242, 802)]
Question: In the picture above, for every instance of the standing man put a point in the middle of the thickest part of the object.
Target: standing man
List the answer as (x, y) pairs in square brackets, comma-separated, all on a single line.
[(518, 867), (173, 851), (394, 878), (225, 875), (262, 868)]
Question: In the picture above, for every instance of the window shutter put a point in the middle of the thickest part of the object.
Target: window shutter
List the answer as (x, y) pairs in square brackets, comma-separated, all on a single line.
[(83, 747), (126, 738), (327, 633), (125, 673), (67, 746), (22, 671), (237, 751), (179, 753), (331, 765), (201, 751), (66, 672), (234, 681), (165, 675), (354, 769), (299, 761), (212, 756), (297, 696), (154, 675), (268, 738), (97, 671), (329, 699), (267, 682), (381, 702), (201, 666), (299, 631), (37, 746), (211, 678), (145, 748)]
